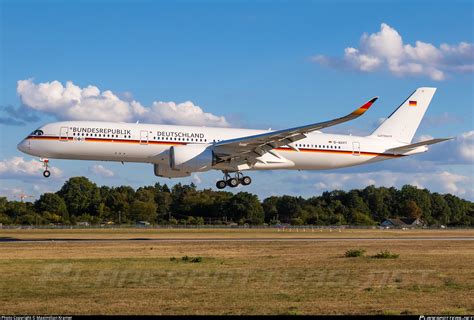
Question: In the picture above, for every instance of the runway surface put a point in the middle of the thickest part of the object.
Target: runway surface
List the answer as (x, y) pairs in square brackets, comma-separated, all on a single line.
[(320, 239)]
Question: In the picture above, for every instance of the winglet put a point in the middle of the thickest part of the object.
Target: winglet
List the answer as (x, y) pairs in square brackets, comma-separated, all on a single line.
[(364, 107)]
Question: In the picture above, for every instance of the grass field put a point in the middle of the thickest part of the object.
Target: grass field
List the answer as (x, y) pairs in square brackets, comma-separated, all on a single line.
[(261, 277)]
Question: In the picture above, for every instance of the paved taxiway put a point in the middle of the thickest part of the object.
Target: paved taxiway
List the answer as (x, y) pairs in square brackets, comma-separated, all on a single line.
[(320, 239)]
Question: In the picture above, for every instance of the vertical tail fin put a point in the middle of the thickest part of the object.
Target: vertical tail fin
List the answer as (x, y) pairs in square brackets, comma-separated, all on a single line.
[(401, 125)]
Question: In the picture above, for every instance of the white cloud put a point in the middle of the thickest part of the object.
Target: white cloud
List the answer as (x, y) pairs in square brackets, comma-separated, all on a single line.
[(385, 50), (460, 150), (441, 181), (196, 178), (101, 171), (71, 102), (12, 193), (31, 191), (18, 168)]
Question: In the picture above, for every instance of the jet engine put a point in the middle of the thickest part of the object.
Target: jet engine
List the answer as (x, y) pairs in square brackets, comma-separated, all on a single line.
[(163, 170), (191, 158)]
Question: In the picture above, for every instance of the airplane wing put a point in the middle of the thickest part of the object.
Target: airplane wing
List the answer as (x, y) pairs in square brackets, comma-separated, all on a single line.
[(410, 147), (258, 145)]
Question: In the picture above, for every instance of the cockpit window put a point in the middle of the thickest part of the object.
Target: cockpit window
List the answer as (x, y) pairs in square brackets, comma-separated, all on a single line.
[(37, 133)]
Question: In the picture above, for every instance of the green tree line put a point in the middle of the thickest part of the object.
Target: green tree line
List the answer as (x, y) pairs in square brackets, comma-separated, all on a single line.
[(80, 200)]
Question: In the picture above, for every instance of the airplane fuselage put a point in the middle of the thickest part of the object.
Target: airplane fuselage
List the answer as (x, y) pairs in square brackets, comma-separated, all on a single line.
[(177, 151), (136, 142)]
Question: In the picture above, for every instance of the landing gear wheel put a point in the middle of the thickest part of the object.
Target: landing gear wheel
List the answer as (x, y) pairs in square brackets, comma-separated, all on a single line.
[(232, 182), (46, 172), (246, 180), (221, 184)]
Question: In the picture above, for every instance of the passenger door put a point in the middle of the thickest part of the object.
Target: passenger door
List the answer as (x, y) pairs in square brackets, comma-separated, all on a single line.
[(355, 148), (144, 137), (63, 133)]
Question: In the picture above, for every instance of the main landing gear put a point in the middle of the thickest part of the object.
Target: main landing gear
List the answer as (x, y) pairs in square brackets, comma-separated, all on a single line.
[(239, 178), (46, 172)]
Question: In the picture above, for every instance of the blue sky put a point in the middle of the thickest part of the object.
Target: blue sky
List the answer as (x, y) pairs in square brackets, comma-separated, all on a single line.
[(258, 64)]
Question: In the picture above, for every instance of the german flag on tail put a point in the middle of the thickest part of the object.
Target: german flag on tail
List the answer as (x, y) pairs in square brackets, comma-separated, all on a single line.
[(412, 103)]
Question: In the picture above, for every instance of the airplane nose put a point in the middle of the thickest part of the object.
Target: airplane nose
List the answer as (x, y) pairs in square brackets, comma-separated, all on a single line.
[(23, 146)]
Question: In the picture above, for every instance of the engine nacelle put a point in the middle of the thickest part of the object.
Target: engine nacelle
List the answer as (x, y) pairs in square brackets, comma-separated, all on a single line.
[(191, 158), (163, 170)]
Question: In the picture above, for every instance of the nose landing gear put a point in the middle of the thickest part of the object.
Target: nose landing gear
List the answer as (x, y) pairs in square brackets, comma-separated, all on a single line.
[(233, 182), (46, 172)]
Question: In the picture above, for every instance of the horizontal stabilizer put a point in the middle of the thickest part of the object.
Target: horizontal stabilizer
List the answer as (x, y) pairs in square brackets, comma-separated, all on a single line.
[(410, 147)]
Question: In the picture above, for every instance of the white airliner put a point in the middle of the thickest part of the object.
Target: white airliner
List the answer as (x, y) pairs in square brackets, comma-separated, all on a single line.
[(178, 151)]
